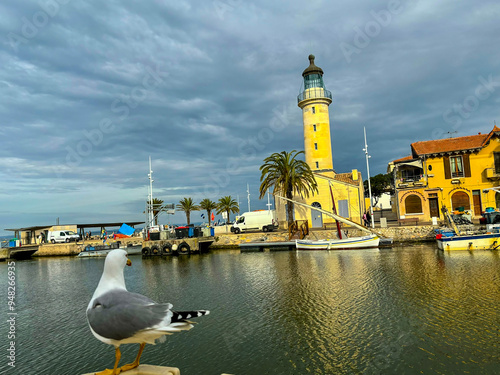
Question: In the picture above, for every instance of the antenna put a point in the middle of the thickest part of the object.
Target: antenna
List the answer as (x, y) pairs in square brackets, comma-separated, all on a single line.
[(450, 133)]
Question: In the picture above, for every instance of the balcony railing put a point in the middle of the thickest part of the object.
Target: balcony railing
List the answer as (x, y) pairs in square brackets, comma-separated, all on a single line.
[(314, 93), (410, 182)]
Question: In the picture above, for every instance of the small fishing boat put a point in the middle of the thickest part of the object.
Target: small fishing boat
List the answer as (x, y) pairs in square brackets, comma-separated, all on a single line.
[(337, 244), (103, 250), (486, 241)]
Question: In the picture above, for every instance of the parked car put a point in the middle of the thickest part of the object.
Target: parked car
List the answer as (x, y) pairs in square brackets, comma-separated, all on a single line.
[(62, 236)]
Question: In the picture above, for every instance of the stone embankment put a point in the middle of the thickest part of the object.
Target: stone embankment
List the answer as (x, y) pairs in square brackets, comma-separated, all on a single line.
[(73, 248), (226, 239), (398, 234)]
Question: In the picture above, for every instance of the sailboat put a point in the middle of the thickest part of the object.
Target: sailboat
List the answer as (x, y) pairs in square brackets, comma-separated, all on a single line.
[(371, 240)]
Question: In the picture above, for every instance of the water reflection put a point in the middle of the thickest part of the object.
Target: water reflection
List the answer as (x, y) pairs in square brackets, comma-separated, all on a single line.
[(404, 310)]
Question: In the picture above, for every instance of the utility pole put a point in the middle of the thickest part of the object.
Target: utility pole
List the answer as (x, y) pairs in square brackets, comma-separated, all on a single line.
[(369, 184)]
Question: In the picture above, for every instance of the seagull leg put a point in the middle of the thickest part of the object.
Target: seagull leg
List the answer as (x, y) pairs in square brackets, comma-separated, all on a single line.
[(134, 364), (115, 370)]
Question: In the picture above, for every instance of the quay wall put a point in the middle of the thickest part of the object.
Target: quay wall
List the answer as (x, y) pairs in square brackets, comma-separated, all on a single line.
[(398, 234), (230, 240)]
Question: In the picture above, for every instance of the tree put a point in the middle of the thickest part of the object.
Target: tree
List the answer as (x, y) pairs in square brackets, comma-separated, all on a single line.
[(228, 205), (288, 176), (187, 205), (380, 184), (209, 206), (157, 208)]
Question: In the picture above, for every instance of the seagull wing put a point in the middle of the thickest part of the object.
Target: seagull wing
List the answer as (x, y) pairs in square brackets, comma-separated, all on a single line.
[(118, 314)]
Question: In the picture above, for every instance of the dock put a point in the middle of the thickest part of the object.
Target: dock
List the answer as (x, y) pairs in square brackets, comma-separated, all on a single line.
[(21, 252)]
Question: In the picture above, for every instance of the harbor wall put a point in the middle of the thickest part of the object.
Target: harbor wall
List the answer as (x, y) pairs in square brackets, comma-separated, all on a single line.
[(398, 234), (230, 240)]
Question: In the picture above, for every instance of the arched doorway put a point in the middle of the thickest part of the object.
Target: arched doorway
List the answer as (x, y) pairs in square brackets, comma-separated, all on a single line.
[(316, 216), (497, 200), (460, 199), (413, 204)]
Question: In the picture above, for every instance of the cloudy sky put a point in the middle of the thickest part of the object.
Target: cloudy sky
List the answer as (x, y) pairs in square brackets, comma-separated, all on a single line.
[(90, 89)]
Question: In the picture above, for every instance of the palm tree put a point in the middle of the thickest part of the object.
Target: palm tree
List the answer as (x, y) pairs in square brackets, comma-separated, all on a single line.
[(157, 208), (287, 176), (187, 205), (209, 205), (228, 205)]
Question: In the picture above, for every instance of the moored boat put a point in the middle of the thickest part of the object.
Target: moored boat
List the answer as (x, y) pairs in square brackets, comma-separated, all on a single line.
[(103, 250), (337, 244), (487, 241)]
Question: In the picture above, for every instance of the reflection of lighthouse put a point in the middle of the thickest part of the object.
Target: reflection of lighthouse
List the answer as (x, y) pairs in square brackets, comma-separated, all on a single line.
[(314, 102)]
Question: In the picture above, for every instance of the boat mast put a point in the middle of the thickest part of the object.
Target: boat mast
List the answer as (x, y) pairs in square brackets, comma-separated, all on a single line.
[(372, 224), (334, 209), (150, 197)]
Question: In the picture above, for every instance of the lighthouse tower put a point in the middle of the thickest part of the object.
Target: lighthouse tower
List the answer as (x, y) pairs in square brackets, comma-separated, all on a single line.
[(314, 102)]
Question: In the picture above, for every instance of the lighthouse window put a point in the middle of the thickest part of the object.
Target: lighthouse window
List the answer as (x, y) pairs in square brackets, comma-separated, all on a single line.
[(314, 110), (314, 127), (315, 146), (317, 165)]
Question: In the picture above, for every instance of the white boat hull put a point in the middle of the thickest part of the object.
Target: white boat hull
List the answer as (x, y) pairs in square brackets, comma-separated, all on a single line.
[(347, 243), (131, 250), (474, 242)]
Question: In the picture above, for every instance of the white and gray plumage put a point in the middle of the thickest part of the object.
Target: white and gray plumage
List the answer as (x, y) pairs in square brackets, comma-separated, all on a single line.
[(116, 316)]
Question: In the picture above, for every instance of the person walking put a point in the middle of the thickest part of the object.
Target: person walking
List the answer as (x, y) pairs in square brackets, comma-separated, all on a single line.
[(368, 218), (365, 220)]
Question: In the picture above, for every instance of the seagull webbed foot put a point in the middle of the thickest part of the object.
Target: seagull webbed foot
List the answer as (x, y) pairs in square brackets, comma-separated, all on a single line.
[(109, 372)]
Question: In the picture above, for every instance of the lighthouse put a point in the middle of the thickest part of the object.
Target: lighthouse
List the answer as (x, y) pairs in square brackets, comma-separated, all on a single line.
[(344, 189), (314, 101)]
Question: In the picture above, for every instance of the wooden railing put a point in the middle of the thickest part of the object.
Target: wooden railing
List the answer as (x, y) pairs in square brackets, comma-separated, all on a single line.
[(298, 226)]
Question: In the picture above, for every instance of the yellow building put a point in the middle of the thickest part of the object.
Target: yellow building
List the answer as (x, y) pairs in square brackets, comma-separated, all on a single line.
[(449, 172), (346, 188)]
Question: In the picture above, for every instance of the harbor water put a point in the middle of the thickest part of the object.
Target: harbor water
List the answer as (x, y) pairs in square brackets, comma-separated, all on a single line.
[(405, 310)]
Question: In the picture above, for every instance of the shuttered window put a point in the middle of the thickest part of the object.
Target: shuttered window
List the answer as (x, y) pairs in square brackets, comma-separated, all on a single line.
[(497, 161), (460, 199), (447, 170), (465, 158), (457, 166), (413, 204)]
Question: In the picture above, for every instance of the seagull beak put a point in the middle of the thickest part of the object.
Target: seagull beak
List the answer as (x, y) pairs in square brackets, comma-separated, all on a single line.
[(129, 262)]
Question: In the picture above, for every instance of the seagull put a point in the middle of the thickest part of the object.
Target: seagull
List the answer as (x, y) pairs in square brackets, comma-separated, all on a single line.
[(116, 316)]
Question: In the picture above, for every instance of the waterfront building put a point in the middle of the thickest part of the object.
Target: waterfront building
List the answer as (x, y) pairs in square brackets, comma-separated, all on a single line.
[(347, 188), (450, 172)]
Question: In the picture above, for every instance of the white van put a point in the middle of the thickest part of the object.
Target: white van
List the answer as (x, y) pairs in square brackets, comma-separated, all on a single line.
[(62, 236), (264, 220)]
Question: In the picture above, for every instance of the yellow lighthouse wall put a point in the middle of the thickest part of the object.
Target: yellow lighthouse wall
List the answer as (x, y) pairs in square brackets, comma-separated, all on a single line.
[(319, 135)]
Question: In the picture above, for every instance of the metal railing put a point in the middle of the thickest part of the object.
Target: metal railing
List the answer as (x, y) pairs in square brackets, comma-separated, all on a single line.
[(316, 93)]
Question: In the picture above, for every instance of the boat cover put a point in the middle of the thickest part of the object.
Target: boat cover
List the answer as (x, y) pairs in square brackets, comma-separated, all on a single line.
[(126, 230)]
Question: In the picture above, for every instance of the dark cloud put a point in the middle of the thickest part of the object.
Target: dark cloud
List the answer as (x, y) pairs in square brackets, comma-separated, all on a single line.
[(208, 90)]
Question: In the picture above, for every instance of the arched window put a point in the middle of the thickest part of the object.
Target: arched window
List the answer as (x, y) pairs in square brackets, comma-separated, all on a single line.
[(413, 204), (460, 199)]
